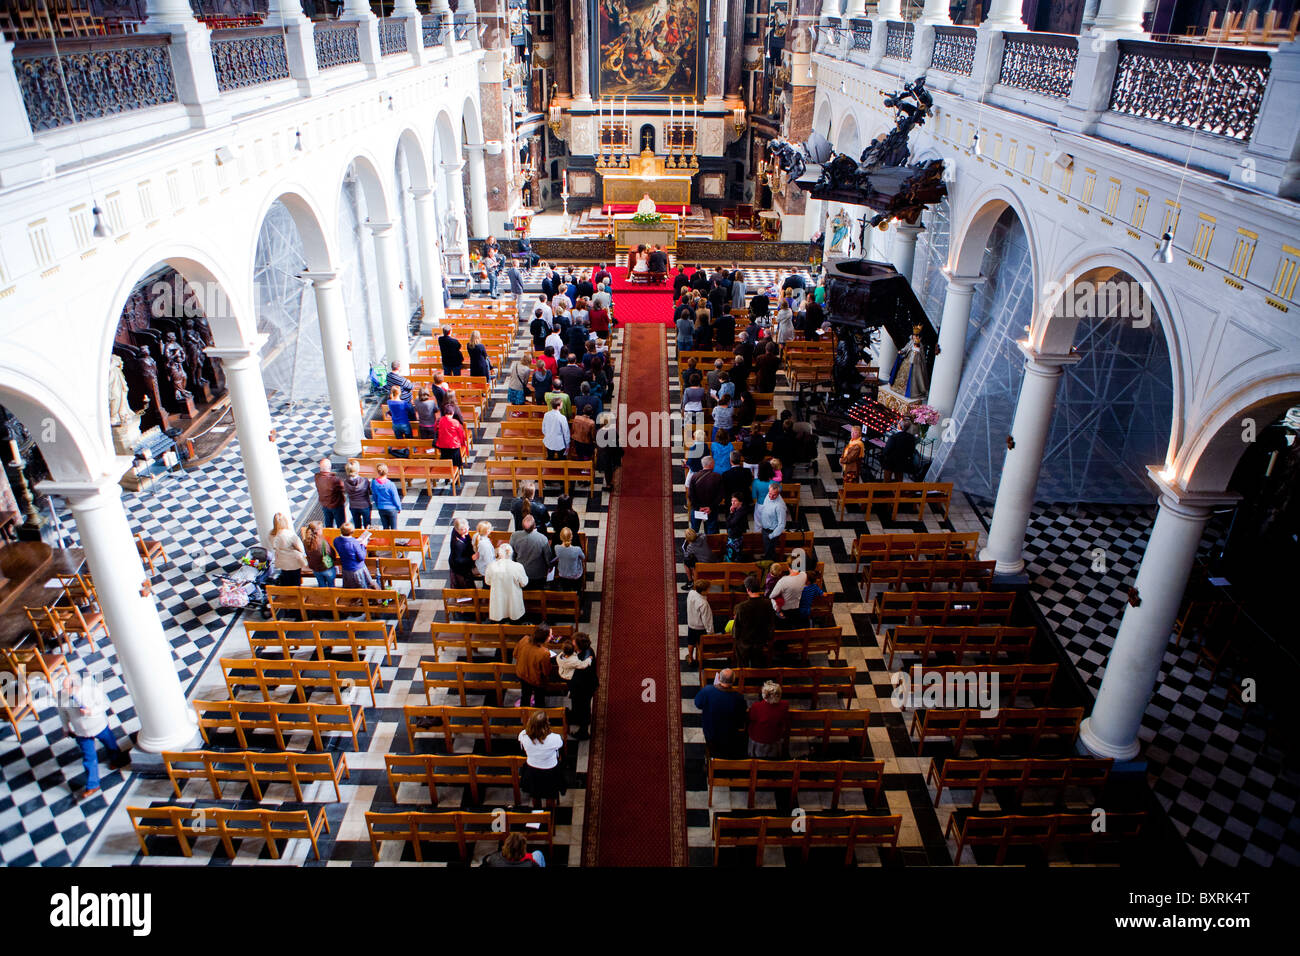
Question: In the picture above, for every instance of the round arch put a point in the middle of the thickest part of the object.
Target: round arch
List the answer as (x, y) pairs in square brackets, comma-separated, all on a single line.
[(446, 138), (372, 185), (410, 144), (848, 138), (473, 123), (1208, 457), (1053, 333), (309, 219), (71, 448), (971, 232), (823, 117)]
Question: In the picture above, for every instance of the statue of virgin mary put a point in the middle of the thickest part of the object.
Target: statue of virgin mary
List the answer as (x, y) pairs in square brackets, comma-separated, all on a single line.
[(908, 376)]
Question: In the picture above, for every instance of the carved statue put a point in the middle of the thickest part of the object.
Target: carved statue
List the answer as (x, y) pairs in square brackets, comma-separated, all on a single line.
[(455, 234), (880, 178), (119, 407), (174, 356), (152, 411), (195, 356), (908, 376), (215, 373)]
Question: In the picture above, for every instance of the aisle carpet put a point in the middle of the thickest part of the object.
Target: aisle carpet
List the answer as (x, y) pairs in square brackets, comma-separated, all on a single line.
[(635, 813), (636, 303)]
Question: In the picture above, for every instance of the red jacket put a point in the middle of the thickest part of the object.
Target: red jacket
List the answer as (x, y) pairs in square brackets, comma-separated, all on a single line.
[(450, 434)]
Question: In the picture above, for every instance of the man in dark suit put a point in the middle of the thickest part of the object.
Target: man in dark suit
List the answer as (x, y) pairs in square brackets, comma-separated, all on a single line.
[(794, 281), (719, 300), (705, 492), (680, 282), (724, 328), (658, 260), (700, 279), (548, 285), (452, 357), (758, 306), (586, 289), (755, 623), (723, 710)]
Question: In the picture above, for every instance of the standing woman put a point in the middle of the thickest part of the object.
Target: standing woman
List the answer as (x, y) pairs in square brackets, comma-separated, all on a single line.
[(451, 437), (484, 552), (461, 555), (517, 383), (385, 496), (399, 413), (571, 563), (479, 364), (426, 413), (358, 492), (321, 556), (541, 382), (290, 555), (542, 776)]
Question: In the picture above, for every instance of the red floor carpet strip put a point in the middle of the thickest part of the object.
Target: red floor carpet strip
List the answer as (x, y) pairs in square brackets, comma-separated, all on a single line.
[(636, 303), (636, 801)]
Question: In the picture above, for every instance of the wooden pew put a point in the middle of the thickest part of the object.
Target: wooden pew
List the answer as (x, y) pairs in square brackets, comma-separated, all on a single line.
[(944, 608), (818, 831), (355, 637), (1033, 723), (961, 642), (465, 678), (484, 723), (1030, 773), (255, 769), (456, 826), (406, 471), (943, 545), (336, 602), (418, 447), (801, 643), (793, 777), (392, 543), (954, 575), (281, 720), (751, 545), (1013, 680), (524, 428), (724, 602), (505, 448), (1045, 831), (526, 411), (450, 770), (567, 473), (551, 605), (819, 726), (730, 575), (185, 824), (499, 538), (496, 639), (796, 682), (895, 495), (266, 674)]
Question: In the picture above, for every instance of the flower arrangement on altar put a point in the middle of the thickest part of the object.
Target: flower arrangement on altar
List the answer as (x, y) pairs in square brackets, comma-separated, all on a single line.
[(923, 416), (647, 218)]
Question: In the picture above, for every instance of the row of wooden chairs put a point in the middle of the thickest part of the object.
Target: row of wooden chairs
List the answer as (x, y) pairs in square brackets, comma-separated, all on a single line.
[(793, 777), (354, 638), (267, 675), (482, 723), (1044, 832), (281, 720), (188, 824), (912, 496), (338, 603), (255, 769), (551, 605), (459, 827), (815, 831)]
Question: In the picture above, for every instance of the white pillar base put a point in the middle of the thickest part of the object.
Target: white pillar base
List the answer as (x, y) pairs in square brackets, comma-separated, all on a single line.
[(1101, 748)]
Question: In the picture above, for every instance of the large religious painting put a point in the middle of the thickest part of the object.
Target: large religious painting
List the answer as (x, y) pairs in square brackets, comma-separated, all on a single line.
[(648, 47)]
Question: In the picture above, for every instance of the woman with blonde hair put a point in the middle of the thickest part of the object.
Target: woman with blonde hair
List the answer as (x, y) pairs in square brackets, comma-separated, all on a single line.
[(542, 777), (357, 489), (289, 554), (484, 550), (321, 556), (479, 364), (570, 563)]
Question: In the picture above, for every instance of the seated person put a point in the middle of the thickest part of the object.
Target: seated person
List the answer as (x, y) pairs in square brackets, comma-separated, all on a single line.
[(658, 259), (646, 205)]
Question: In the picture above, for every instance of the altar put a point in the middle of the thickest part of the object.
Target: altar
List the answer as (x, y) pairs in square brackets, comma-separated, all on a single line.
[(647, 174), (629, 234)]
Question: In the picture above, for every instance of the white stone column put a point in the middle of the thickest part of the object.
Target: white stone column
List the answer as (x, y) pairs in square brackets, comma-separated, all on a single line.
[(1020, 468), (426, 228), (392, 302), (946, 381), (854, 8), (340, 372), (478, 201), (456, 243), (1005, 15), (889, 9), (257, 439), (191, 57), (372, 55), (1134, 662), (935, 13), (21, 159), (1120, 17), (130, 614)]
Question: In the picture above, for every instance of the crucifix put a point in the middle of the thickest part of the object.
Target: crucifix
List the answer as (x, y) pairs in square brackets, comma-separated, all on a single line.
[(862, 234)]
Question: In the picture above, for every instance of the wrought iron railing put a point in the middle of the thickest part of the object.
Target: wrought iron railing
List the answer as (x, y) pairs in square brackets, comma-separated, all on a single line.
[(248, 57), (105, 76), (433, 29), (1207, 89), (1041, 63), (462, 25), (392, 36), (862, 34), (898, 40), (336, 44), (954, 50), (832, 32)]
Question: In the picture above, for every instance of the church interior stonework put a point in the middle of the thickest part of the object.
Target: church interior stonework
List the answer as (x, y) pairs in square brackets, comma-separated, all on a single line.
[(617, 435)]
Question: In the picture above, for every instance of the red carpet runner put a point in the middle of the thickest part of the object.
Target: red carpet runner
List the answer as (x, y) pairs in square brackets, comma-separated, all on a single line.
[(635, 812), (636, 303)]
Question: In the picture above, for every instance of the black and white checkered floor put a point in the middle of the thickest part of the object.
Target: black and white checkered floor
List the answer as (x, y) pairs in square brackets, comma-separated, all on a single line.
[(41, 822), (1227, 788)]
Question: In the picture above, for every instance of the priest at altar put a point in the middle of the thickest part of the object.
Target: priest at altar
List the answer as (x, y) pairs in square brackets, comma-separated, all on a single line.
[(646, 205)]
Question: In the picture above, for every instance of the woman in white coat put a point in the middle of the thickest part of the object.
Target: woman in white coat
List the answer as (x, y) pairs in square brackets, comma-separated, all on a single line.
[(288, 552), (505, 579)]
